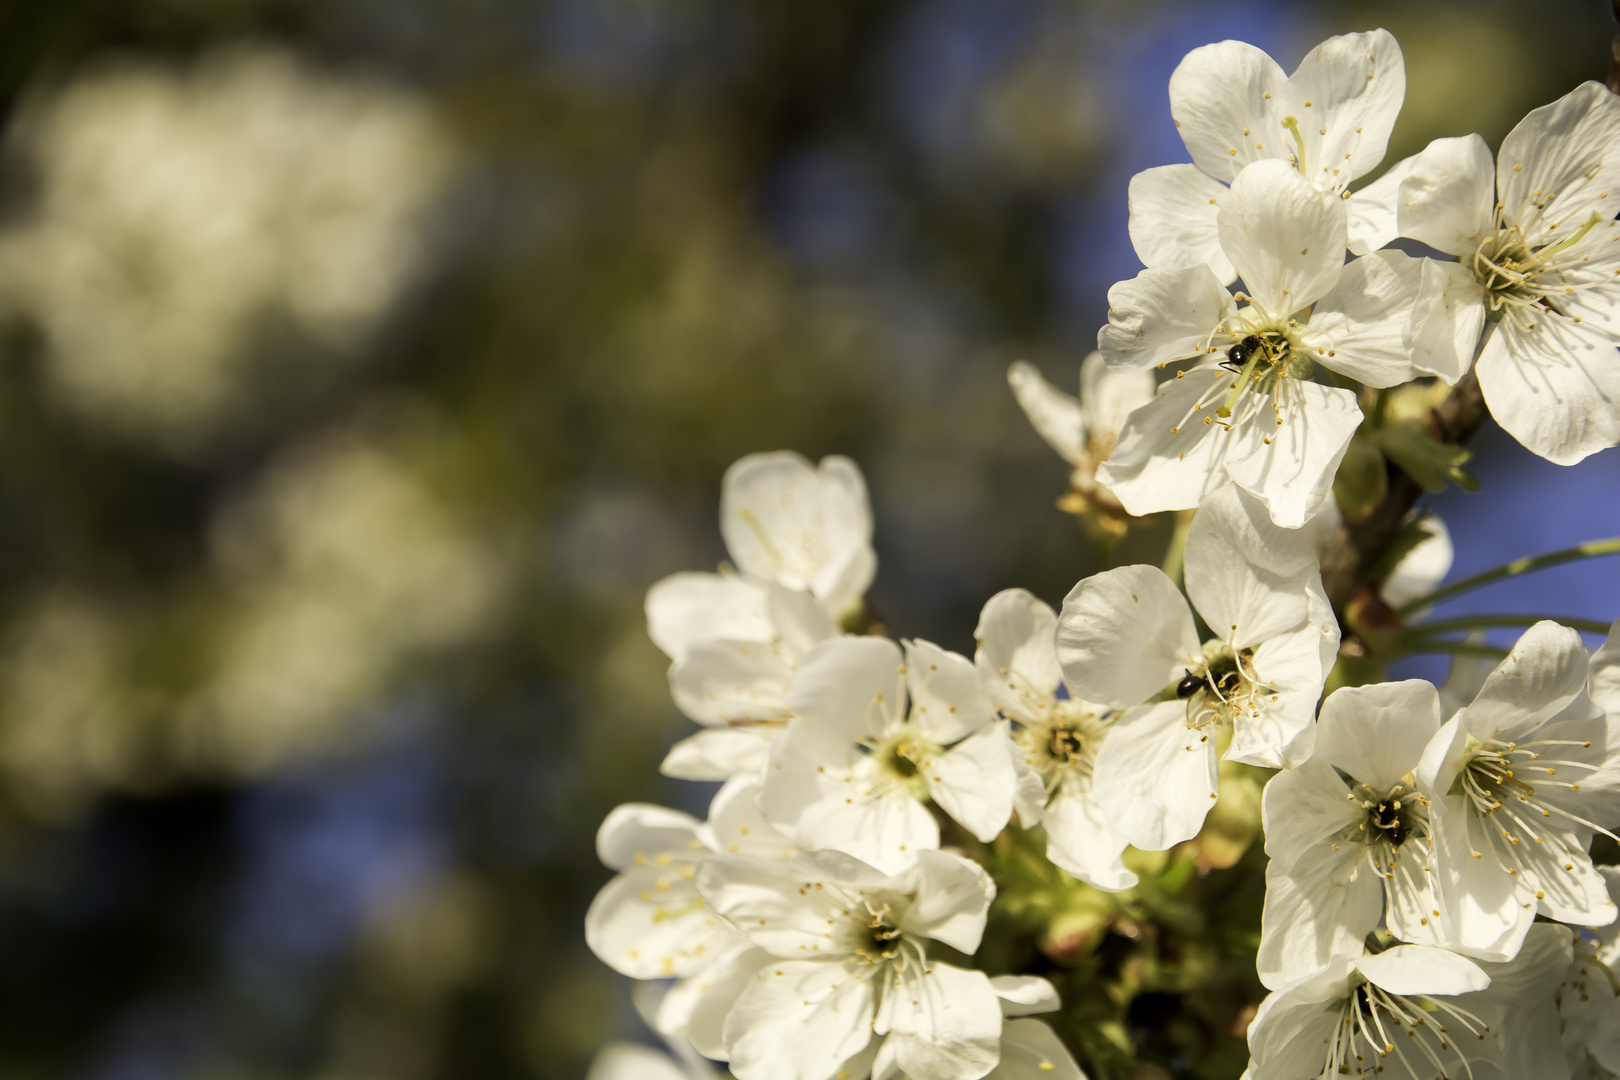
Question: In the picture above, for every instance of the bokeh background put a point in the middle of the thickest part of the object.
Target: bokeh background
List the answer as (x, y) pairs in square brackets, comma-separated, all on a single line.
[(363, 361)]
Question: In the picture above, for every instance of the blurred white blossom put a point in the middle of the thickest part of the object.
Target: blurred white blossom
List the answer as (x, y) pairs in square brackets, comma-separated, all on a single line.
[(186, 220)]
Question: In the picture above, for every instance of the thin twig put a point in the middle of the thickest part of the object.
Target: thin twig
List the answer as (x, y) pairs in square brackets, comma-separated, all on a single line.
[(1592, 549), (1472, 622)]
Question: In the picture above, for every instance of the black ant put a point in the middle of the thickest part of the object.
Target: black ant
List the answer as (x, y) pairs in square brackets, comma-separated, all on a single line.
[(1388, 818), (1239, 354)]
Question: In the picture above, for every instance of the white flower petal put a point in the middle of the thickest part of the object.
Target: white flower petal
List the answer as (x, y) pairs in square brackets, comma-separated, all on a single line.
[(1377, 734), (1276, 730), (1155, 776), (1315, 914), (765, 900), (1555, 388), (1167, 457), (1293, 472), (1285, 237), (950, 1030), (648, 923), (974, 782), (736, 825), (1303, 807), (854, 685), (731, 682), (1447, 195), (1124, 635), (1542, 673), (1163, 314), (1372, 210), (696, 1007), (1483, 915), (1346, 94), (1030, 1051), (1222, 97), (1024, 995), (687, 608), (718, 754), (1017, 658), (1569, 150), (635, 832), (1292, 1025), (1080, 841), (804, 526), (947, 700), (1245, 575), (1055, 415), (628, 1061), (953, 897), (801, 1024), (1604, 672), (1172, 219), (1360, 327), (1107, 397), (1421, 969)]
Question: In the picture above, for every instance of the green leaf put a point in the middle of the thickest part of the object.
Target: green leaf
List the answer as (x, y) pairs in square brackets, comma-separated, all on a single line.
[(1433, 464), (1362, 481)]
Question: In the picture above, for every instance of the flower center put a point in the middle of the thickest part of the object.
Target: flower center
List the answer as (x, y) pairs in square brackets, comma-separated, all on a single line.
[(1264, 359), (1377, 1029), (877, 945), (1519, 280), (1222, 688), (900, 758), (1506, 784), (1062, 746)]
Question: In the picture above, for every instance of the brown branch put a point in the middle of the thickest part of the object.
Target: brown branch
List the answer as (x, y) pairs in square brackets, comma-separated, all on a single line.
[(1354, 549)]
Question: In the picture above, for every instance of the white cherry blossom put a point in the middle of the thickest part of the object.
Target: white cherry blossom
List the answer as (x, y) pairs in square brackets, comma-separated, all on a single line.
[(876, 735), (1127, 635), (849, 962), (1058, 737), (1411, 1012), (1246, 408), (1082, 430), (1348, 834), (805, 526), (650, 923), (1517, 782), (1233, 105), (801, 537), (1539, 254)]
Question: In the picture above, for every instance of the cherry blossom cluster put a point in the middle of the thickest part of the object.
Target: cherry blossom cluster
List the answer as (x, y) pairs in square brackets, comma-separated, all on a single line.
[(1432, 908)]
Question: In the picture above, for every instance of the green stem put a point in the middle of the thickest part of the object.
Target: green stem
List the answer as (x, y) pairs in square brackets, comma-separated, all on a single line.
[(1471, 622), (1591, 550), (1459, 648), (1176, 554)]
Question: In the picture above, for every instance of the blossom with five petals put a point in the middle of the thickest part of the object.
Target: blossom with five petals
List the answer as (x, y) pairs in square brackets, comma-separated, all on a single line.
[(1247, 408), (1057, 735), (1411, 1011), (1348, 834), (1538, 253), (1127, 635), (850, 962), (1517, 782), (875, 736)]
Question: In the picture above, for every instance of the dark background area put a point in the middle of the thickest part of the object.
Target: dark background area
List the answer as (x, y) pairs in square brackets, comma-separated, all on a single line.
[(363, 362)]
